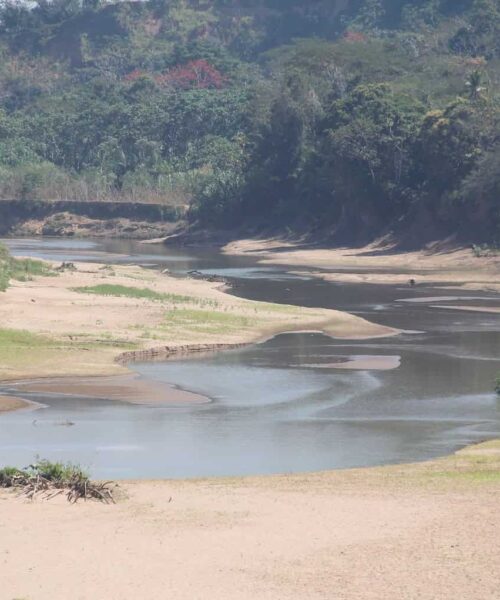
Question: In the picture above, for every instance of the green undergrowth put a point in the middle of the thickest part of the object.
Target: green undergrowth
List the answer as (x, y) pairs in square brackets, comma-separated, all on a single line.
[(20, 269)]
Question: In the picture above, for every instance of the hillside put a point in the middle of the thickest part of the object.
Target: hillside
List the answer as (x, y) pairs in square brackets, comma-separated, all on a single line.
[(343, 119)]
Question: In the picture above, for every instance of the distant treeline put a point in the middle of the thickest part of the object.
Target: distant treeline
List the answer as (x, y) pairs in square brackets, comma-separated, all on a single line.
[(345, 118)]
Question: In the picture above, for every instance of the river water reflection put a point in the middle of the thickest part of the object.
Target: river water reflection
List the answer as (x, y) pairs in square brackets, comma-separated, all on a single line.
[(281, 406)]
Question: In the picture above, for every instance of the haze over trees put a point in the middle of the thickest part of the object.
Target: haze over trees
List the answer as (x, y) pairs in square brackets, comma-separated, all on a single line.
[(337, 116)]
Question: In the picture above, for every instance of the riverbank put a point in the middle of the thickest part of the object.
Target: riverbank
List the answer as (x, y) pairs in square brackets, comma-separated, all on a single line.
[(380, 264), (87, 319), (426, 531)]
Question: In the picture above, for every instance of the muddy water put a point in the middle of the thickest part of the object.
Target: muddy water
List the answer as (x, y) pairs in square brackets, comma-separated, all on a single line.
[(299, 402)]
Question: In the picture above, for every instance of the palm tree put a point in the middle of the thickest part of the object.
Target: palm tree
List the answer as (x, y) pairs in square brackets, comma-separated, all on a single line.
[(474, 84)]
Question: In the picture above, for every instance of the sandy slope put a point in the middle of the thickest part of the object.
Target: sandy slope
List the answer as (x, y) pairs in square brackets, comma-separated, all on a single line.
[(426, 532), (348, 265)]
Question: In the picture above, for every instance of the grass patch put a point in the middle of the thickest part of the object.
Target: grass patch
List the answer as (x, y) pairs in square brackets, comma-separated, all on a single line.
[(20, 269), (479, 476), (123, 291), (18, 338), (49, 479), (207, 321)]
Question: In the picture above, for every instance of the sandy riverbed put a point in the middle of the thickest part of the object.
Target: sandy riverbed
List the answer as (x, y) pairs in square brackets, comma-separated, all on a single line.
[(428, 531), (380, 264), (50, 329)]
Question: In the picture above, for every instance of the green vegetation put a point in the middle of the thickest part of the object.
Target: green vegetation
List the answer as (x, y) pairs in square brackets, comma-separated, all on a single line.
[(20, 269), (204, 321), (106, 289), (50, 479), (18, 338), (345, 119)]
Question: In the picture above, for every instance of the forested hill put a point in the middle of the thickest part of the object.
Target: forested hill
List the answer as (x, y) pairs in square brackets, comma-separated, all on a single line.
[(342, 118)]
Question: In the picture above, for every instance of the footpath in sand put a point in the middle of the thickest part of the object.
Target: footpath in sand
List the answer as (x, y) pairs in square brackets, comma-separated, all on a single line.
[(429, 531), (80, 322), (381, 264)]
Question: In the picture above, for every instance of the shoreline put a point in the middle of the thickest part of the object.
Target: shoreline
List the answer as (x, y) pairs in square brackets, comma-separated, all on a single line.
[(411, 530)]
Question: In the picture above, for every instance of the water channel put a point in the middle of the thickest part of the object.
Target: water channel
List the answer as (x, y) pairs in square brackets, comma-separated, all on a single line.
[(279, 406)]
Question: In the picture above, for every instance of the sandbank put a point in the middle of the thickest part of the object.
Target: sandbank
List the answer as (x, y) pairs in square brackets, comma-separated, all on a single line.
[(427, 531), (125, 388), (379, 263), (51, 327), (9, 403)]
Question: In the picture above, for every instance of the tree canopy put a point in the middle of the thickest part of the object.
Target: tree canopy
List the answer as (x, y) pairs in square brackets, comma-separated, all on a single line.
[(343, 116)]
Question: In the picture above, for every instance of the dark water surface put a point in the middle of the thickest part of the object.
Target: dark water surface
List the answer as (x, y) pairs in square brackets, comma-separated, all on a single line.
[(281, 406)]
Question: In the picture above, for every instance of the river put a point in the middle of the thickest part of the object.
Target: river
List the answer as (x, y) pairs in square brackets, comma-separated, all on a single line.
[(279, 406)]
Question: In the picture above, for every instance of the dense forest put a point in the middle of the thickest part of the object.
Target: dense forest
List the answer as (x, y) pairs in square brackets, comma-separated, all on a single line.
[(341, 118)]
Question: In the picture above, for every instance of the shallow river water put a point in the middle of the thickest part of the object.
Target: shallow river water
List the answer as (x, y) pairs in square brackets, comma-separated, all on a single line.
[(280, 406)]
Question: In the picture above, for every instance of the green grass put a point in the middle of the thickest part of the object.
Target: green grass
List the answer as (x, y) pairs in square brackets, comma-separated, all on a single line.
[(20, 338), (123, 291), (206, 321), (55, 472), (20, 269), (479, 476)]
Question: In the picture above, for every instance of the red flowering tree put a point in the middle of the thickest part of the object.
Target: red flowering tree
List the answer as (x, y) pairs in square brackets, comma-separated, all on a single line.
[(199, 74), (134, 75)]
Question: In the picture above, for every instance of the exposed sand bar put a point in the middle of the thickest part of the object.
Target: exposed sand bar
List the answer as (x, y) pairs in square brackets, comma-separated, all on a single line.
[(480, 309), (362, 363), (428, 531), (9, 403), (379, 263), (125, 388), (50, 328)]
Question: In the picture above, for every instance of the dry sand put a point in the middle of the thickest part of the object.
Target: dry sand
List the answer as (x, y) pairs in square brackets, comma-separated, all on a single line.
[(429, 532), (378, 263)]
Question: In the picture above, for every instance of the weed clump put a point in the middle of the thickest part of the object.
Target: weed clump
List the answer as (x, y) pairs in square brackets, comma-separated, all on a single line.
[(49, 479)]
